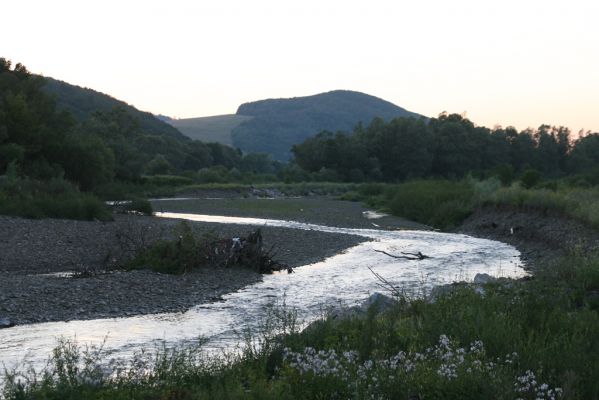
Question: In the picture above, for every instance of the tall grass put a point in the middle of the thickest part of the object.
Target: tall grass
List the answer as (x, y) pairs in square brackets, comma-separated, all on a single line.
[(579, 203), (56, 198), (444, 204)]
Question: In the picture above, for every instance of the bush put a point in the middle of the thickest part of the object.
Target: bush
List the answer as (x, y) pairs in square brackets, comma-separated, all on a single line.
[(188, 252), (505, 174), (167, 180), (139, 205), (171, 257), (443, 204), (56, 198), (530, 178)]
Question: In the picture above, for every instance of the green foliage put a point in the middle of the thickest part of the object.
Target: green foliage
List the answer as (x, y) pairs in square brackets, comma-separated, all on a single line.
[(217, 174), (107, 147), (579, 203), (167, 180), (179, 256), (449, 146), (530, 178), (505, 174), (443, 204), (188, 252), (82, 103), (55, 198), (159, 165)]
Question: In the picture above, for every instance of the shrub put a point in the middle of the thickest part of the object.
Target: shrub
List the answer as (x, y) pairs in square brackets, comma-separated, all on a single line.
[(530, 178), (56, 198), (505, 174), (172, 257), (188, 252), (167, 180), (139, 205), (443, 204)]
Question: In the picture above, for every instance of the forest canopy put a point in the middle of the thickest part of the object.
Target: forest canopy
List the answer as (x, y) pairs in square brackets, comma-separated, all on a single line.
[(450, 146)]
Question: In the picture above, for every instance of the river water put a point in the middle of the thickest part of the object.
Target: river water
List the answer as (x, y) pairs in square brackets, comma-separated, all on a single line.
[(341, 280)]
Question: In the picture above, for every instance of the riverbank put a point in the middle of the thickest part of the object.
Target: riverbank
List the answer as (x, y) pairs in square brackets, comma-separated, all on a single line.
[(541, 237), (39, 258)]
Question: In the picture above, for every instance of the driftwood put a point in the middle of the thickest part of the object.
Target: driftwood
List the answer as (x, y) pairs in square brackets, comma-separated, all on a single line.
[(246, 252), (408, 256)]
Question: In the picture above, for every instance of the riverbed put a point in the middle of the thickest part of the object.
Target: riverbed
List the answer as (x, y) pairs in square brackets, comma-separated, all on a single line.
[(341, 280)]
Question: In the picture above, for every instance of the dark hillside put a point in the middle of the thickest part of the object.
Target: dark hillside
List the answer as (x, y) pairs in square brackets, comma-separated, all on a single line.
[(278, 124), (82, 102)]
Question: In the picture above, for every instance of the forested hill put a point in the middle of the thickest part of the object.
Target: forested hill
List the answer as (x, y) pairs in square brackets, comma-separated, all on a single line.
[(92, 141), (83, 102), (278, 124)]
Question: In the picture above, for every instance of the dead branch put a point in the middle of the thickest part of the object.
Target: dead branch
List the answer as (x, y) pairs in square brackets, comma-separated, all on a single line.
[(407, 256)]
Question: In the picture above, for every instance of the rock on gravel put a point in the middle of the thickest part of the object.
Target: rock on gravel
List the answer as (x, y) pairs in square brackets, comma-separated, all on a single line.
[(5, 323)]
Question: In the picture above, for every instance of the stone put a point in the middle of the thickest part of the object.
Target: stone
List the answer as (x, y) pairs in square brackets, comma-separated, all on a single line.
[(383, 302), (6, 323), (481, 279)]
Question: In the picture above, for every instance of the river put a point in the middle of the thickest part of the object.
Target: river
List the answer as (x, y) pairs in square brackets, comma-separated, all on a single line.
[(341, 280)]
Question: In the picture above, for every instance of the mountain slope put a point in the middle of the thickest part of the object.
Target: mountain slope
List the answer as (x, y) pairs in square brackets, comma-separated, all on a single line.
[(210, 129), (83, 102), (278, 124)]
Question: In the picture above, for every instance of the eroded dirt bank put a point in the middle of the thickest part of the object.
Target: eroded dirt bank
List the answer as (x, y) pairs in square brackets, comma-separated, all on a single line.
[(540, 237)]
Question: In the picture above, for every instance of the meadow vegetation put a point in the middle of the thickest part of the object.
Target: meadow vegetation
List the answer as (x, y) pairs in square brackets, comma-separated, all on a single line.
[(444, 204), (55, 198)]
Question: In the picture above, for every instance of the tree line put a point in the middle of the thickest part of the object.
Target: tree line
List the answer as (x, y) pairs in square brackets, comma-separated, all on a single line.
[(449, 146)]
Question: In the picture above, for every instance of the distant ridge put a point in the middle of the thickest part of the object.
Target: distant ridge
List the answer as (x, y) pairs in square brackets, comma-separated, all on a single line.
[(274, 125)]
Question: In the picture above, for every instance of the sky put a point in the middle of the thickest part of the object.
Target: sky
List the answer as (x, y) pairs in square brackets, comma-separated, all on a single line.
[(520, 63)]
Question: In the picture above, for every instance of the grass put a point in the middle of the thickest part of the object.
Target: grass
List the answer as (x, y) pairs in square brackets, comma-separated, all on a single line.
[(56, 198), (167, 186), (175, 256), (579, 203), (442, 204), (445, 204), (528, 339)]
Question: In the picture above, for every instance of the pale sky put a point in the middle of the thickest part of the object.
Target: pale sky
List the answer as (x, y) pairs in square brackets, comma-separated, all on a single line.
[(519, 63)]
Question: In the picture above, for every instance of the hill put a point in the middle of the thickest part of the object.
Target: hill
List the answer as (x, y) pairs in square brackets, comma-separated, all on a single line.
[(278, 124), (83, 102), (210, 129)]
